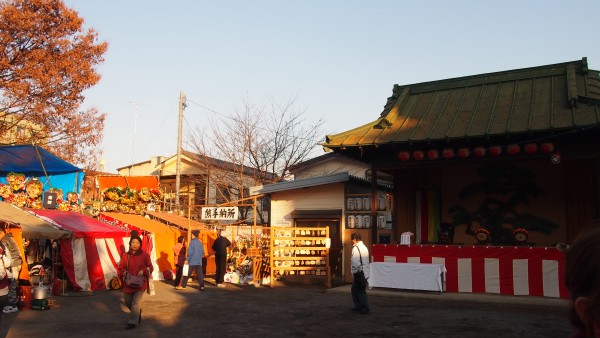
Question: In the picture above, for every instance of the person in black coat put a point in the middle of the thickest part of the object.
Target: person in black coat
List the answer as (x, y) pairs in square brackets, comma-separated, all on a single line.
[(220, 248)]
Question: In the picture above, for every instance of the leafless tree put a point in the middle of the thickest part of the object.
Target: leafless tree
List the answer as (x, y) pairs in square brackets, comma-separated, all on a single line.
[(260, 142)]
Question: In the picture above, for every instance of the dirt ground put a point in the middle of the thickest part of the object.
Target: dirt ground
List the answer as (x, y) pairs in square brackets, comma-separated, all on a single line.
[(292, 310)]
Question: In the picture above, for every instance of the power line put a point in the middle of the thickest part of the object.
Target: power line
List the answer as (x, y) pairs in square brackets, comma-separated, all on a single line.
[(235, 120)]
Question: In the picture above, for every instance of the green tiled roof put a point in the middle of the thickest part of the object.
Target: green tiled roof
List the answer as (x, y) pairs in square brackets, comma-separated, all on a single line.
[(554, 97)]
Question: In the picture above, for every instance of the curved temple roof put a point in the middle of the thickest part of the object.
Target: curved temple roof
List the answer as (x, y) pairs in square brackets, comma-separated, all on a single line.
[(561, 96)]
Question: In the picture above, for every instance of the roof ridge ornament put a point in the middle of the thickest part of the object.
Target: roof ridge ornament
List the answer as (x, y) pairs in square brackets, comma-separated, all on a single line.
[(383, 124)]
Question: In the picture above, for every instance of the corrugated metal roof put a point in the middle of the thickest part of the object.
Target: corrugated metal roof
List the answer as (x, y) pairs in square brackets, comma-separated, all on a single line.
[(311, 182), (554, 97), (299, 184)]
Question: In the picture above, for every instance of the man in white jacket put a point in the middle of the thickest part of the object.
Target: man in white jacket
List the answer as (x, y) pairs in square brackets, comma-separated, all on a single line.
[(359, 263), (5, 275), (10, 245)]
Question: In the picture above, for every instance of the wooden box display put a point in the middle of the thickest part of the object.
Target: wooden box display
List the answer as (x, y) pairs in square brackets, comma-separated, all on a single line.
[(299, 251)]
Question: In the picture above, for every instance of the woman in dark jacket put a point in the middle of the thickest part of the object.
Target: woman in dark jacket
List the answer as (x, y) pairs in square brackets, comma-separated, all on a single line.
[(136, 262), (180, 253)]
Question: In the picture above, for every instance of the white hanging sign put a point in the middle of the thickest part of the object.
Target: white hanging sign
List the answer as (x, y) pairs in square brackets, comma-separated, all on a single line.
[(219, 213)]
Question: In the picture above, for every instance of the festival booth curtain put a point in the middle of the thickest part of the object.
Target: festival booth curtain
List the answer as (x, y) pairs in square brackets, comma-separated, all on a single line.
[(90, 258), (176, 220), (32, 227), (34, 161), (207, 236), (158, 238), (132, 182)]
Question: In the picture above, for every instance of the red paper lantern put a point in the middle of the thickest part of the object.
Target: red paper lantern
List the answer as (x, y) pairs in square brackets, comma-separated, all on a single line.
[(547, 147), (404, 156), (463, 152), (448, 153), (530, 148), (495, 150), (479, 151), (513, 149), (418, 155), (433, 154)]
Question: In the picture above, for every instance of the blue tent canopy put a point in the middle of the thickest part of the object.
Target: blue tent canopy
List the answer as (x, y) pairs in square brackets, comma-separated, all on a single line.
[(31, 159), (35, 161)]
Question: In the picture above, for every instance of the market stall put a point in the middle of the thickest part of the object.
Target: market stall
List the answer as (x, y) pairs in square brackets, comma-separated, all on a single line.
[(91, 255), (27, 228), (27, 171)]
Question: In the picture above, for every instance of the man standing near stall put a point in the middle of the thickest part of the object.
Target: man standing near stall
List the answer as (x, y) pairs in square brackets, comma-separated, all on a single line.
[(194, 260), (11, 245), (359, 265), (220, 246)]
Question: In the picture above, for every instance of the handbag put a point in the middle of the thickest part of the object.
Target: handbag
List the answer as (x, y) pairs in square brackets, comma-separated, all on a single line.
[(133, 281), (186, 269), (359, 276), (360, 279)]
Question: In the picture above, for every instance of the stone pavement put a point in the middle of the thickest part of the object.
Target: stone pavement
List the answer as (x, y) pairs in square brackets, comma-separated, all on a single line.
[(292, 310)]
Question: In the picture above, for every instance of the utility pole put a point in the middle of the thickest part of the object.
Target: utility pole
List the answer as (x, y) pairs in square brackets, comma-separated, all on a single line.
[(136, 106), (178, 167)]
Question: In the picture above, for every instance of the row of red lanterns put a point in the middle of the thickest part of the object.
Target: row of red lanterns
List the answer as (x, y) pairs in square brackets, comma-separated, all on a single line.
[(513, 149)]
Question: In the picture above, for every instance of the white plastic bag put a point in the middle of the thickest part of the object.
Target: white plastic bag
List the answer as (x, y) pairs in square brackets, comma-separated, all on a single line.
[(151, 290), (186, 269)]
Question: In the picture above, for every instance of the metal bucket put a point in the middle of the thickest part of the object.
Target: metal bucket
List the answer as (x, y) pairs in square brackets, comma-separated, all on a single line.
[(40, 292)]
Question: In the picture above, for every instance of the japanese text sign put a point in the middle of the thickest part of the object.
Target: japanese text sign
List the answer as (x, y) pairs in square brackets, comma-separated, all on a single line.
[(220, 213)]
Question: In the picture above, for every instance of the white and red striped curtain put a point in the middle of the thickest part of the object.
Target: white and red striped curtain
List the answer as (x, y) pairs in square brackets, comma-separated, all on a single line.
[(492, 269)]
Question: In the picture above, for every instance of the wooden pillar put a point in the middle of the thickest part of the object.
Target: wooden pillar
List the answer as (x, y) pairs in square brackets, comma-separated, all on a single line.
[(374, 198)]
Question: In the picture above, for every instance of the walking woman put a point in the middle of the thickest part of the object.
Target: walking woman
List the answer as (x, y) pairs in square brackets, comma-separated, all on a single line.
[(135, 262)]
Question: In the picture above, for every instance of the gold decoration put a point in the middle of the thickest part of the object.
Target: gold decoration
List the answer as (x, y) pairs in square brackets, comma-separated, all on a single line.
[(34, 188), (5, 191), (16, 181)]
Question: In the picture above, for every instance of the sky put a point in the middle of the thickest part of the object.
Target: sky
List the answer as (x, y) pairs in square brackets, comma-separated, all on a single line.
[(339, 58)]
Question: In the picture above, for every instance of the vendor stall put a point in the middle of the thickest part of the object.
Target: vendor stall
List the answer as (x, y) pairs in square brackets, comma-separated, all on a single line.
[(27, 228), (91, 256)]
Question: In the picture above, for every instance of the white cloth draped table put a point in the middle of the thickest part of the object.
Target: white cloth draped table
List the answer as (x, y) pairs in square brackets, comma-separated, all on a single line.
[(412, 276)]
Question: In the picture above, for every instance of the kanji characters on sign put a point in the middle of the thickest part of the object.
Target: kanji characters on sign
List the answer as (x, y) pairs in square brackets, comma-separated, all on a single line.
[(220, 213)]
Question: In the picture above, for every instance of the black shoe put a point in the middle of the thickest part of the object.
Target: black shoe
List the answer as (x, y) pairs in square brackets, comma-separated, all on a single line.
[(140, 319), (355, 309), (130, 326), (365, 312)]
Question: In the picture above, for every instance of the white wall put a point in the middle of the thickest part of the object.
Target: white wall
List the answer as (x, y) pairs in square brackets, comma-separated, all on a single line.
[(324, 197)]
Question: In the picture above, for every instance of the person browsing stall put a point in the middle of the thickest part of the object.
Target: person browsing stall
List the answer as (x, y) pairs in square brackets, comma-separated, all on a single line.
[(220, 246), (10, 244), (180, 252), (194, 260), (5, 275)]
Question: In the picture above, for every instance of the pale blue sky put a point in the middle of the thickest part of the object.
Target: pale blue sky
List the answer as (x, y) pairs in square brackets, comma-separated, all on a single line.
[(340, 58)]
